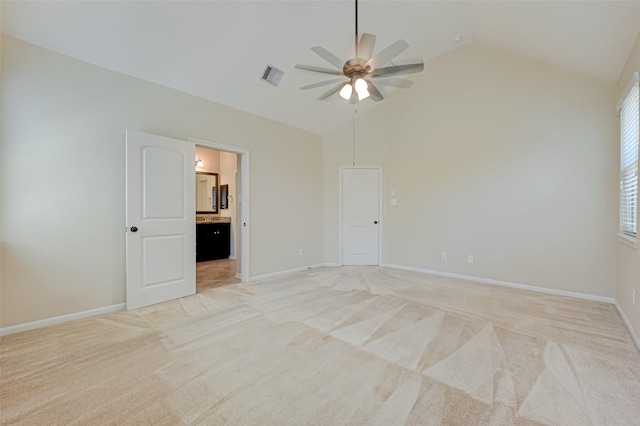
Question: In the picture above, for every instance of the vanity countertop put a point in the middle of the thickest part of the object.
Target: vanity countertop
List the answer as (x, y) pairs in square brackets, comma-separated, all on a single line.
[(212, 219)]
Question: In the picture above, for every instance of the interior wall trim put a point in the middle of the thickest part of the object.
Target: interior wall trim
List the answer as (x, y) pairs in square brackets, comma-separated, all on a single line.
[(284, 273), (5, 331), (60, 319), (583, 296), (632, 332)]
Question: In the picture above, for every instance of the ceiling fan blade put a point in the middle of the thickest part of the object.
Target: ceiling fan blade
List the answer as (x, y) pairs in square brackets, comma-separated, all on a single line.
[(388, 54), (397, 70), (400, 83), (331, 91), (328, 56), (318, 69), (365, 46), (374, 93), (321, 83)]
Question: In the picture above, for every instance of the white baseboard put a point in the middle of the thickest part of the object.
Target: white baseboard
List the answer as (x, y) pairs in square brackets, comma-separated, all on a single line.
[(332, 264), (584, 296), (281, 274), (632, 332), (121, 306), (59, 320)]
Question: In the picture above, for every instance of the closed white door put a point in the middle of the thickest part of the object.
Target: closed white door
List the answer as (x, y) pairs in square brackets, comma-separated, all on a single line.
[(161, 255), (360, 216)]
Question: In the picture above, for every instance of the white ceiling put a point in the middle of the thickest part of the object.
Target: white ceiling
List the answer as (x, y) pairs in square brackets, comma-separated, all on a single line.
[(218, 50)]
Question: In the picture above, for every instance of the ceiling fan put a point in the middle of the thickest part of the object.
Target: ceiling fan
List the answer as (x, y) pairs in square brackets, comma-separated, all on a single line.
[(362, 69)]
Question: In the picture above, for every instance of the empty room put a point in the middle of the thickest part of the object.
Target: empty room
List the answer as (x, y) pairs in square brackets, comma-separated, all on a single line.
[(320, 212)]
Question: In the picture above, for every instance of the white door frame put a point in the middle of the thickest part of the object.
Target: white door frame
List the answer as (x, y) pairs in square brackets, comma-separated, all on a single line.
[(244, 224), (380, 220)]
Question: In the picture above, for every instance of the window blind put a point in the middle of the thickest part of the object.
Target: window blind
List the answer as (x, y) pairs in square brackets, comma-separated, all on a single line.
[(629, 129)]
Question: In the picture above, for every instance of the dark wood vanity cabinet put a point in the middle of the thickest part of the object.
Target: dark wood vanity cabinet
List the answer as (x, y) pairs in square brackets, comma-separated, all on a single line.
[(213, 241)]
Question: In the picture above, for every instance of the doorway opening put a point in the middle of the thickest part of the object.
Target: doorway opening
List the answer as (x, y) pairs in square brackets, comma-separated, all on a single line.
[(222, 231), (215, 273)]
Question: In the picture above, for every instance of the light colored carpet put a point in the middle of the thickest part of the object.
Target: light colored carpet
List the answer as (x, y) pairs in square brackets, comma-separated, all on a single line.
[(353, 345)]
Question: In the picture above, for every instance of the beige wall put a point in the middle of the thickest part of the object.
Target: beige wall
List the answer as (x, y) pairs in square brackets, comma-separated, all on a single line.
[(498, 156), (210, 160), (63, 169), (210, 164), (628, 258)]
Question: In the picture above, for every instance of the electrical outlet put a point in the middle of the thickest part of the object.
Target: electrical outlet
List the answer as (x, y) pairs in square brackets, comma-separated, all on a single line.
[(469, 259), (444, 256), (300, 252)]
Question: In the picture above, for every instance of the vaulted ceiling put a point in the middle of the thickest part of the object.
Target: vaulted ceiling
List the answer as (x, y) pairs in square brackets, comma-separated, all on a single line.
[(218, 50)]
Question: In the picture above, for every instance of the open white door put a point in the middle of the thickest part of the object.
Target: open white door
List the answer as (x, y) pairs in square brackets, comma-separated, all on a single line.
[(360, 216), (161, 253)]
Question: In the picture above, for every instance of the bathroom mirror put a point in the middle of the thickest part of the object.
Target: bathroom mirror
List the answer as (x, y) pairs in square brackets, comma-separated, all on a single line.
[(206, 192)]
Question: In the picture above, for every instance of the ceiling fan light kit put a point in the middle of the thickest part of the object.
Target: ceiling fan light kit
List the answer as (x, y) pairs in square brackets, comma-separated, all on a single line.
[(361, 90), (346, 91), (362, 69)]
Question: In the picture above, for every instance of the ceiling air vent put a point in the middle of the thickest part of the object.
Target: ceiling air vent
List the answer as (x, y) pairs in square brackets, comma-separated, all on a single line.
[(272, 75)]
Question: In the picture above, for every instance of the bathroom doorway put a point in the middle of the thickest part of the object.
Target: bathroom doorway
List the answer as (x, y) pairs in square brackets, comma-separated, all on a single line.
[(225, 229)]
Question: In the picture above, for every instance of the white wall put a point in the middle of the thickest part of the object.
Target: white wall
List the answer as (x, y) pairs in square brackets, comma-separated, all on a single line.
[(498, 156), (63, 170), (628, 258)]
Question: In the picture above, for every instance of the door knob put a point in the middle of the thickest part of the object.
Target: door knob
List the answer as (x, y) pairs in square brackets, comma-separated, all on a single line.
[(375, 222), (134, 229)]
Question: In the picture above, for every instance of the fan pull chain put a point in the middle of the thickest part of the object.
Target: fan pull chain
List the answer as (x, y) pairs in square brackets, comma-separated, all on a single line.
[(353, 145)]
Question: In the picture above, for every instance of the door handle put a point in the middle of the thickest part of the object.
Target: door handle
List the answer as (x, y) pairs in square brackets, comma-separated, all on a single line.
[(133, 229), (375, 222)]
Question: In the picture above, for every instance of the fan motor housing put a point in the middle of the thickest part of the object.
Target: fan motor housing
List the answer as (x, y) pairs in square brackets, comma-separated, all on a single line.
[(356, 67)]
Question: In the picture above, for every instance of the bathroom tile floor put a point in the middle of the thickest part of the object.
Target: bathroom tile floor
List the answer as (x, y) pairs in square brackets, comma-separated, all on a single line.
[(215, 273)]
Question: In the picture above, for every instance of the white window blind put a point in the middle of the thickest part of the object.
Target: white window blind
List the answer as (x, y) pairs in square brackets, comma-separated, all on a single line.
[(629, 129)]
